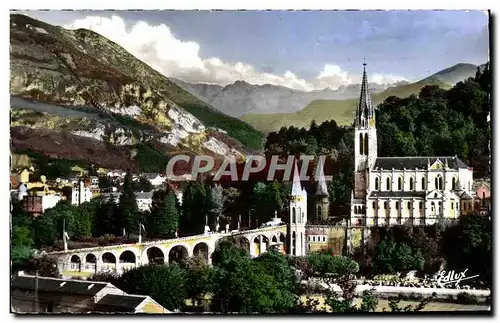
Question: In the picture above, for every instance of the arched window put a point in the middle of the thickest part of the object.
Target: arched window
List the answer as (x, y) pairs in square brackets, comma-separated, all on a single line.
[(374, 205), (366, 144), (376, 183), (400, 184), (293, 215), (397, 205), (420, 205), (411, 183), (440, 183), (299, 215), (409, 205), (454, 183), (361, 144), (436, 185), (433, 207), (385, 205), (423, 183), (451, 205), (388, 183), (319, 210)]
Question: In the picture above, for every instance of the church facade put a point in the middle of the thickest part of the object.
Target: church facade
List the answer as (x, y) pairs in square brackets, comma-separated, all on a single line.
[(402, 190)]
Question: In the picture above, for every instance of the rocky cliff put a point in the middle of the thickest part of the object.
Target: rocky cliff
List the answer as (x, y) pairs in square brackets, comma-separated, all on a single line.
[(78, 85)]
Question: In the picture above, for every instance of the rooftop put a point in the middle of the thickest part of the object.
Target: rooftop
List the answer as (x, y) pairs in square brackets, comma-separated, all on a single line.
[(417, 162), (120, 303), (56, 285)]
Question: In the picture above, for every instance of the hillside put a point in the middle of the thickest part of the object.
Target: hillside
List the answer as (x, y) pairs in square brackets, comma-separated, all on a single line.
[(240, 97), (342, 111), (77, 85), (456, 73)]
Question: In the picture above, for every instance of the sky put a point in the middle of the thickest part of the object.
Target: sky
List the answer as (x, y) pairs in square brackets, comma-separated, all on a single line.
[(303, 50)]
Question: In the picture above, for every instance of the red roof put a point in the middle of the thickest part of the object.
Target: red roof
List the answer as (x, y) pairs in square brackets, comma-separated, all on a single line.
[(14, 181)]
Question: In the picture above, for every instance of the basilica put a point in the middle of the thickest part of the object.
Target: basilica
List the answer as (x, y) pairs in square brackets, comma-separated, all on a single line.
[(402, 190)]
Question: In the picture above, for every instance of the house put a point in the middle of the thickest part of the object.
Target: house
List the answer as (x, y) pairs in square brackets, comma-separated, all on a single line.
[(482, 200), (115, 196), (55, 295), (37, 204), (80, 194), (144, 200), (112, 303), (155, 179), (94, 182)]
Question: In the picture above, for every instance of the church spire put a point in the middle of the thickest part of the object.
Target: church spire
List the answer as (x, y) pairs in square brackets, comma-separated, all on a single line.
[(321, 190), (296, 186), (364, 112)]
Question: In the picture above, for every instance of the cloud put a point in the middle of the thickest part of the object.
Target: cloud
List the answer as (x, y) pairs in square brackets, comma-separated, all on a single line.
[(157, 46)]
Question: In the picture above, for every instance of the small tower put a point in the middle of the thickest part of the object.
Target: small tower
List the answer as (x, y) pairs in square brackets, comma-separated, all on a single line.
[(298, 217), (322, 205)]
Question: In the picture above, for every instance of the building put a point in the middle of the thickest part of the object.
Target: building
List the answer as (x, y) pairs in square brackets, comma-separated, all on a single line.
[(80, 193), (144, 200), (298, 217), (402, 190), (482, 200), (54, 295), (94, 182), (37, 204), (322, 206), (155, 179)]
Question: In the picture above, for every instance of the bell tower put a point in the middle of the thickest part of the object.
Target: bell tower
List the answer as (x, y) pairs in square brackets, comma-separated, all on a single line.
[(365, 139), (298, 217)]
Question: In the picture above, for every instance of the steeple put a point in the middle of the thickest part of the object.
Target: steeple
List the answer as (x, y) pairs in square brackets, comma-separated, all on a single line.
[(296, 186), (321, 190), (365, 112)]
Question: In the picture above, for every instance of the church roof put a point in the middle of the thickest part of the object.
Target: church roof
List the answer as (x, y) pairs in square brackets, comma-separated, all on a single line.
[(397, 194), (416, 162)]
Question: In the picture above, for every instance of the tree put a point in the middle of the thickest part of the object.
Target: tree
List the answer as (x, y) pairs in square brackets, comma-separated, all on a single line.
[(83, 225), (468, 245), (107, 219), (105, 182), (217, 201), (164, 283), (242, 285), (199, 276), (233, 205), (127, 208), (164, 218), (392, 256), (194, 208), (46, 266)]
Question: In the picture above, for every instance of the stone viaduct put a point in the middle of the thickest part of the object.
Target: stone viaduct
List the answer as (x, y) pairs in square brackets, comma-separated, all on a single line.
[(117, 258)]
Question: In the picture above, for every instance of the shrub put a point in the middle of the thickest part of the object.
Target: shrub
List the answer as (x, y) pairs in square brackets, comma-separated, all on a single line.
[(466, 298)]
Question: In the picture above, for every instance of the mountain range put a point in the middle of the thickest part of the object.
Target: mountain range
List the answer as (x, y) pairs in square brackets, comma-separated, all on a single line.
[(77, 95), (342, 111), (240, 97)]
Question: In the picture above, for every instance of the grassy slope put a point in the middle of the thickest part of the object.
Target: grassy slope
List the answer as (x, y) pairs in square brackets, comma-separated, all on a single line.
[(342, 111)]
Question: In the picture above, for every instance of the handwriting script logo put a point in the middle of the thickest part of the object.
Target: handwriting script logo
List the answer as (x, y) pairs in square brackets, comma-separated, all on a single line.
[(444, 279)]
